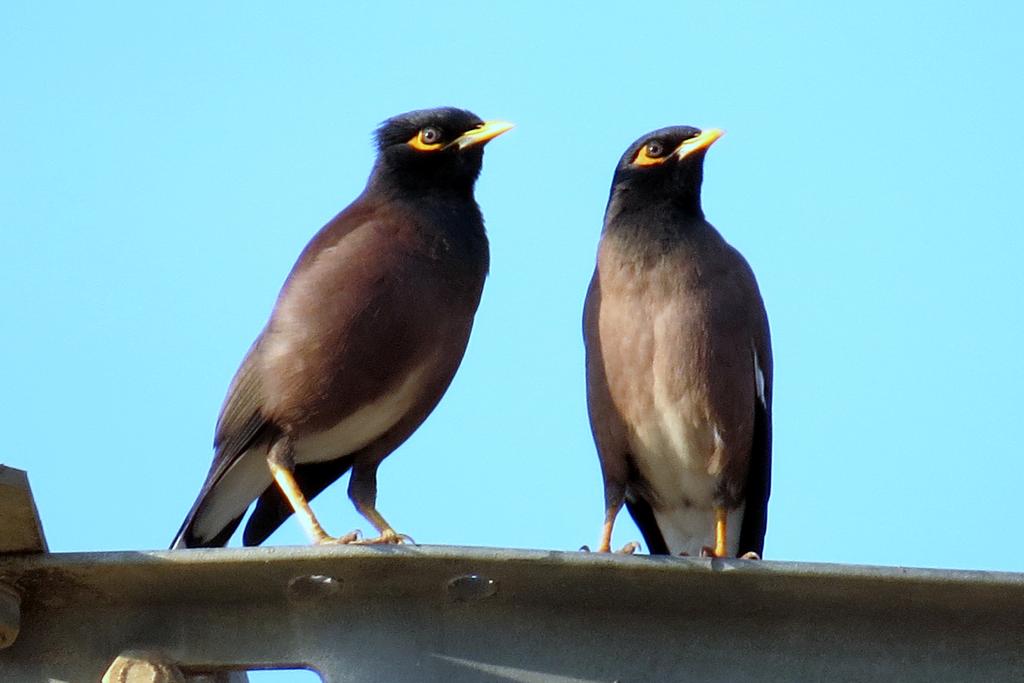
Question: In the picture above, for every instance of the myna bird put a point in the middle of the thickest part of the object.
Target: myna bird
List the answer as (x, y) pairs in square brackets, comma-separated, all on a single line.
[(679, 360), (363, 341)]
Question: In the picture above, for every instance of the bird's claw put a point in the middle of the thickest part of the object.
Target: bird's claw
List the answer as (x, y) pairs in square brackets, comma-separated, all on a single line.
[(710, 552), (350, 537), (627, 549), (388, 537)]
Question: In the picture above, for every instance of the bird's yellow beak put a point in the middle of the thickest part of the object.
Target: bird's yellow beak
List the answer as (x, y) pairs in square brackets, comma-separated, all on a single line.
[(481, 134), (702, 141)]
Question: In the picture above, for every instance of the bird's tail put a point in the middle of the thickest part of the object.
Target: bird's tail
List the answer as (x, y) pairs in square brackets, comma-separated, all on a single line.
[(187, 537), (223, 501), (643, 515), (759, 484)]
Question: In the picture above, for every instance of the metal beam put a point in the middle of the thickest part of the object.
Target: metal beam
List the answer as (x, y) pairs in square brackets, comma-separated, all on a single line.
[(423, 613), (472, 614), (20, 528)]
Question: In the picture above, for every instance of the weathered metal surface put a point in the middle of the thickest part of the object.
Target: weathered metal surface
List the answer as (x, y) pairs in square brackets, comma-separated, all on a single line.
[(396, 614), (471, 614), (20, 528), (10, 614), (143, 667)]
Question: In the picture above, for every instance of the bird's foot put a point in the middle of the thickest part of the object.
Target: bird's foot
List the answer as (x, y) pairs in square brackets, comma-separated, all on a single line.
[(387, 537), (602, 548), (627, 549), (710, 552), (350, 537)]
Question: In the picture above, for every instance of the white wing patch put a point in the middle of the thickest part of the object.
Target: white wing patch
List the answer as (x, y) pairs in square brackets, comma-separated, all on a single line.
[(758, 376)]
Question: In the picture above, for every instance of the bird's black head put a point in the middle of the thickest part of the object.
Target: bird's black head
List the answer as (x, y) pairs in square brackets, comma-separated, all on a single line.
[(665, 166), (432, 150)]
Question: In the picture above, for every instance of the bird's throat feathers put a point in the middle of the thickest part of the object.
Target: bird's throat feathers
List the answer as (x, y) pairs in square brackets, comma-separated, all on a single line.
[(644, 223), (450, 221), (446, 175)]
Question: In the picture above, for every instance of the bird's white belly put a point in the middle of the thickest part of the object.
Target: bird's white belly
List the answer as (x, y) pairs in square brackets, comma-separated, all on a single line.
[(364, 426), (674, 450), (688, 530), (676, 457)]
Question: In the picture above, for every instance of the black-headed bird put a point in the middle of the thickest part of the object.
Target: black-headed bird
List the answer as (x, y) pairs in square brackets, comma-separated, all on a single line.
[(679, 361), (365, 337)]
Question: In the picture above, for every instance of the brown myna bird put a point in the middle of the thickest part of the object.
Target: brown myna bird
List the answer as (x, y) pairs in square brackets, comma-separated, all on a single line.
[(679, 361), (363, 341)]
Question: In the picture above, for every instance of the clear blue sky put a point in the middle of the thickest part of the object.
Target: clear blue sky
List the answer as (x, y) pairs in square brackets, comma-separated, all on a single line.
[(160, 170)]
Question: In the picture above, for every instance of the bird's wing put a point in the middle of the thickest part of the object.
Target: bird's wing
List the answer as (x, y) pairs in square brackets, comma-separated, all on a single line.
[(605, 420), (239, 425), (606, 424), (759, 473), (241, 422), (241, 417)]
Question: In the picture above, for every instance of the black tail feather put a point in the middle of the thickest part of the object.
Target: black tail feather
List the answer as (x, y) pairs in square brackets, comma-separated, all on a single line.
[(186, 538), (641, 512), (759, 484)]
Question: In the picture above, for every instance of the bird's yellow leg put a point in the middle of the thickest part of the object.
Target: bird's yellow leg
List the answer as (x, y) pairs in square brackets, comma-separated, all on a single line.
[(290, 488), (606, 533), (721, 530), (387, 533), (362, 490)]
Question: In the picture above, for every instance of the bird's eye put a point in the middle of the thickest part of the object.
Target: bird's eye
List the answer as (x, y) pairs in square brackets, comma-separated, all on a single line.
[(428, 139), (655, 149), (430, 135), (653, 152)]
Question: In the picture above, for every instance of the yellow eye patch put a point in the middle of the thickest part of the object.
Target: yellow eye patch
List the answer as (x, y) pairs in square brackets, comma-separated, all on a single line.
[(419, 142), (645, 158)]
